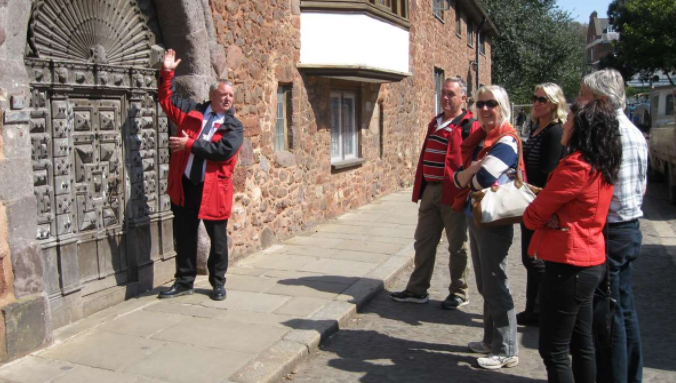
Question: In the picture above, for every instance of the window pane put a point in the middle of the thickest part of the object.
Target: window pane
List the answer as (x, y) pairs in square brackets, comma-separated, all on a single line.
[(670, 105), (458, 21), (279, 128), (438, 85), (335, 126), (349, 128)]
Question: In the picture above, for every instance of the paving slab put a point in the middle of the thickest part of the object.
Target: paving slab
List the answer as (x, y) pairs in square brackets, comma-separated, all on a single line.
[(276, 261), (308, 288), (34, 370), (167, 306), (259, 319), (248, 301), (141, 323), (82, 374), (316, 242), (181, 363), (250, 283), (370, 247), (340, 267), (402, 241), (102, 349), (310, 251), (222, 334), (301, 306)]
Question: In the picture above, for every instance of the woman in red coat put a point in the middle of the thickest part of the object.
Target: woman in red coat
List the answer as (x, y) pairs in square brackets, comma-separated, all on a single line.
[(568, 217)]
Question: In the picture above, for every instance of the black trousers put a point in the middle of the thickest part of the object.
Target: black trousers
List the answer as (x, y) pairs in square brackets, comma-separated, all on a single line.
[(566, 316), (535, 269), (185, 234)]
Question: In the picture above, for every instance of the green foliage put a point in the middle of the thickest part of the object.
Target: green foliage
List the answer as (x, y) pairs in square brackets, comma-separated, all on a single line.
[(538, 43), (647, 35)]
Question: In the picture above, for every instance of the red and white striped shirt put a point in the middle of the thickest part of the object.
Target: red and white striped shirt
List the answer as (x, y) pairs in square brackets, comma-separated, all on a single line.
[(434, 156)]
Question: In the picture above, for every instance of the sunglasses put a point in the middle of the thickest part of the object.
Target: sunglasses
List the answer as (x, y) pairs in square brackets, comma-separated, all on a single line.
[(540, 100), (490, 104)]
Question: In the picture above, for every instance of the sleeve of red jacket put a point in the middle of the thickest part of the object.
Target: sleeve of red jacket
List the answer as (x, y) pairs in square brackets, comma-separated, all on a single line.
[(175, 108), (223, 149), (565, 184)]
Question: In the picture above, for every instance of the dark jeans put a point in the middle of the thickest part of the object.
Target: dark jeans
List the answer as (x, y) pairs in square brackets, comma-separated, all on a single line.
[(185, 233), (566, 315), (535, 269), (624, 245)]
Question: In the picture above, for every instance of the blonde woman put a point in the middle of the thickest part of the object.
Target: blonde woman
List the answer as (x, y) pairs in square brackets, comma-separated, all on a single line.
[(541, 154), (490, 155)]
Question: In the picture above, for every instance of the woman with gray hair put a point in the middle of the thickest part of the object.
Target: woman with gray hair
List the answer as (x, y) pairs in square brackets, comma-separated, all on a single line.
[(490, 155), (541, 154)]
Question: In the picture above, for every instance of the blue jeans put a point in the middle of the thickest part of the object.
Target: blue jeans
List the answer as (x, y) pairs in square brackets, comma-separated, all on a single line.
[(624, 245), (489, 248)]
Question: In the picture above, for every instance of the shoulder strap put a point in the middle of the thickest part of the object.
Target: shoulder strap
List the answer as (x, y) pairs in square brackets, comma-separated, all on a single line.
[(466, 127), (519, 176)]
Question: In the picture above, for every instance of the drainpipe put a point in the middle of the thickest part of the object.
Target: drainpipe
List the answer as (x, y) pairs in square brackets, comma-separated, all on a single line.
[(478, 55)]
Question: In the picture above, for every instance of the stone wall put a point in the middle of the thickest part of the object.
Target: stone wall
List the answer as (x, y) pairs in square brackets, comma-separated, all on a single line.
[(25, 322), (279, 194)]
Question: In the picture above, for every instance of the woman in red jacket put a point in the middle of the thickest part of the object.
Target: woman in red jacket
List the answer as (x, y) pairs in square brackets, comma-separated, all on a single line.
[(568, 217)]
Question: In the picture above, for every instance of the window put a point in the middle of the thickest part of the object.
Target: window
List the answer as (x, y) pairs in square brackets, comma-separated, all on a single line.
[(458, 21), (383, 3), (398, 7), (381, 129), (438, 85), (482, 44), (283, 131), (669, 107), (470, 34), (344, 136), (439, 6)]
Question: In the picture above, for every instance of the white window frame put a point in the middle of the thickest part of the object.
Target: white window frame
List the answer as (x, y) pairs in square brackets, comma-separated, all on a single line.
[(343, 134)]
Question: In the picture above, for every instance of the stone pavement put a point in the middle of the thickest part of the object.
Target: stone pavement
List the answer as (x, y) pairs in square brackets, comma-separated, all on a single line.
[(395, 342), (281, 302)]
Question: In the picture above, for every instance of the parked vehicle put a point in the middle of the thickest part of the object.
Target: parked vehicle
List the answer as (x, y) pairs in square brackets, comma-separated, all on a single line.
[(662, 142)]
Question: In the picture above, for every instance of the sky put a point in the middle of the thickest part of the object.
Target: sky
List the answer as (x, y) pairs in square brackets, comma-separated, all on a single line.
[(581, 9)]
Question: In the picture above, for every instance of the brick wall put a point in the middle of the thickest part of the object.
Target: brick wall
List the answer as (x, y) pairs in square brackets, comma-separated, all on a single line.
[(278, 194)]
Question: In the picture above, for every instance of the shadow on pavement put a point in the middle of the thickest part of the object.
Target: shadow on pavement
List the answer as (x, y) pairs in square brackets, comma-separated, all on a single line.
[(387, 358)]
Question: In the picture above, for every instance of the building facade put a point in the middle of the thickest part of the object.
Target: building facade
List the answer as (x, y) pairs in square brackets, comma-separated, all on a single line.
[(600, 37), (334, 95)]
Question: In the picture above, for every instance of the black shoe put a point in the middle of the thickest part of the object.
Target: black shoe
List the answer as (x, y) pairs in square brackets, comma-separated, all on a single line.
[(453, 302), (176, 290), (406, 296), (528, 318), (219, 293)]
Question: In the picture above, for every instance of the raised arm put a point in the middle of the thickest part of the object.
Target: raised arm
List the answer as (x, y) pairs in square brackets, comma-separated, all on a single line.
[(175, 107)]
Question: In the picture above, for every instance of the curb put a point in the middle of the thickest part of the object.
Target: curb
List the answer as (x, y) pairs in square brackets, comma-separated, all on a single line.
[(276, 362)]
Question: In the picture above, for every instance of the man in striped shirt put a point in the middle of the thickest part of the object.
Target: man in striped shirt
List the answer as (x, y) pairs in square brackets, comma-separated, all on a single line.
[(623, 233), (434, 187)]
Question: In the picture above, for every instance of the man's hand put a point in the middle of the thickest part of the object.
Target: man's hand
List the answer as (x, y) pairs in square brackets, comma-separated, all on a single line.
[(170, 62), (176, 144)]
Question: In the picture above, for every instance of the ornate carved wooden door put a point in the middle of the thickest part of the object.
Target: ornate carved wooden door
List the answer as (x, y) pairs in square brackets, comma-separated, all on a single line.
[(100, 155)]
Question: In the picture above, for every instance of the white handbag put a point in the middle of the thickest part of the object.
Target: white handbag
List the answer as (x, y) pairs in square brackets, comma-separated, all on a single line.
[(503, 204)]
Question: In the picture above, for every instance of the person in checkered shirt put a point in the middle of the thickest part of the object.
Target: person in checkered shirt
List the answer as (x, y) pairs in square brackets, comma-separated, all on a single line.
[(623, 234)]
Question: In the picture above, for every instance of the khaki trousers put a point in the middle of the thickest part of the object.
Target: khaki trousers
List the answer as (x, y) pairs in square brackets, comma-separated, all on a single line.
[(433, 218)]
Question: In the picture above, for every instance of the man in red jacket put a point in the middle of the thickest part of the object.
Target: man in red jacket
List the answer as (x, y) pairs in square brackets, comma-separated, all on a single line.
[(434, 187), (204, 155)]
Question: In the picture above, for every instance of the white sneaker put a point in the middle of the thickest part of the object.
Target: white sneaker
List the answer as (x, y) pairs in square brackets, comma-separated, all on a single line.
[(479, 347), (493, 362)]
